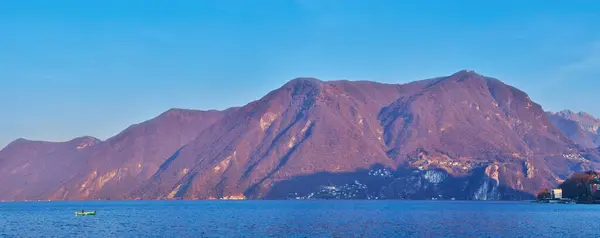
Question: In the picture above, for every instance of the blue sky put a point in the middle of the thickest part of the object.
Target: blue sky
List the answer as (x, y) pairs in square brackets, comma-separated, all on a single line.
[(72, 68)]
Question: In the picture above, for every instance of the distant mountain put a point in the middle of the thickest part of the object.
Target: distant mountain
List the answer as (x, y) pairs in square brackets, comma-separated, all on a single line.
[(465, 136), (587, 121), (97, 169), (581, 127), (35, 170)]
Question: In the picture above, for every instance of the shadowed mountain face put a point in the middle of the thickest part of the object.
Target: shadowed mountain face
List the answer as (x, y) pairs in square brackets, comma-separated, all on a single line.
[(580, 127), (464, 136), (466, 122)]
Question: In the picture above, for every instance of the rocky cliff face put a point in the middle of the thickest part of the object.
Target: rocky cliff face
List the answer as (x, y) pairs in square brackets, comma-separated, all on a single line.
[(464, 136)]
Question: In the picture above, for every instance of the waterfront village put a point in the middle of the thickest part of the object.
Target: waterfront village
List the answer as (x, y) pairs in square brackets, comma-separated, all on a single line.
[(579, 188)]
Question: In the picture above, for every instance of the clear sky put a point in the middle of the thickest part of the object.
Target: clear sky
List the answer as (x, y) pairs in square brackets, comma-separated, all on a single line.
[(73, 68)]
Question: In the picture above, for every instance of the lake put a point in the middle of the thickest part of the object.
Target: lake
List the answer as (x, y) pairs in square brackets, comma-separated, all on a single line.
[(298, 219)]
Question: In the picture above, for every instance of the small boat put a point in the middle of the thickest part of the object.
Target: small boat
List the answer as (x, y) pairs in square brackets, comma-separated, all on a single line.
[(85, 213)]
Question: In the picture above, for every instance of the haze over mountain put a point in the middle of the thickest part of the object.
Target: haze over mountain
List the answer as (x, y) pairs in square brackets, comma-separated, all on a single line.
[(465, 136), (581, 127)]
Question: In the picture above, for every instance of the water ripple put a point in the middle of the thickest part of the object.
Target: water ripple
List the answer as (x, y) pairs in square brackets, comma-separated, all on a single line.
[(297, 219)]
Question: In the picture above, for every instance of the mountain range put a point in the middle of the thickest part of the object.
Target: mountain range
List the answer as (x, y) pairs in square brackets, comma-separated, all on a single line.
[(463, 136), (581, 127)]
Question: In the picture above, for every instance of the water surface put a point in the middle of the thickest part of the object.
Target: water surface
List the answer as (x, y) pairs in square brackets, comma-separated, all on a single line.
[(298, 219)]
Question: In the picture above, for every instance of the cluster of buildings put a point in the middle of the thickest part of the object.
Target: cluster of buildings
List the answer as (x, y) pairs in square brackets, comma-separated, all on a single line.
[(589, 193), (593, 191)]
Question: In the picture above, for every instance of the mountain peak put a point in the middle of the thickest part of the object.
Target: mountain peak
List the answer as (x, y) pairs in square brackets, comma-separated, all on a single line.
[(16, 142), (303, 85), (302, 81), (577, 115), (22, 141), (566, 112), (585, 114), (462, 76), (87, 139), (466, 73), (79, 142), (585, 121)]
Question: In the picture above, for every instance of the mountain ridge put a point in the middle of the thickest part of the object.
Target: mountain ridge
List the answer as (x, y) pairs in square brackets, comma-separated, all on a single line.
[(581, 127), (464, 135)]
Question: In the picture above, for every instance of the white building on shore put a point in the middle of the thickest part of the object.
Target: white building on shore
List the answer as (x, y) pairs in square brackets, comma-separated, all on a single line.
[(557, 193)]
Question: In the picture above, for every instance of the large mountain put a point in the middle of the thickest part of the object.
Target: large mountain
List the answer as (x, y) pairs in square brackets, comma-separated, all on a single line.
[(465, 136), (306, 126), (581, 127)]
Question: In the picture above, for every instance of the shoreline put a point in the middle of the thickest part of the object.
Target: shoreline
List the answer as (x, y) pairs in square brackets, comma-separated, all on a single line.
[(272, 200)]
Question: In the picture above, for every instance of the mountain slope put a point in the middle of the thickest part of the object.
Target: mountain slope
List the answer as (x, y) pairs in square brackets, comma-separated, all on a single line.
[(469, 114), (112, 168), (488, 139), (34, 170), (465, 136), (467, 122), (307, 126)]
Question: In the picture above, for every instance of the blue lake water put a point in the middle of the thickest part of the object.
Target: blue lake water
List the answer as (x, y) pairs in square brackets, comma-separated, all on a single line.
[(298, 219)]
